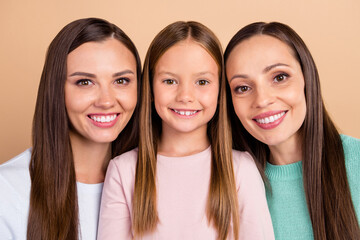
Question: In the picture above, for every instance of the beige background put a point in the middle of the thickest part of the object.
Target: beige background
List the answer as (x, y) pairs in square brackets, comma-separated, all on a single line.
[(331, 29)]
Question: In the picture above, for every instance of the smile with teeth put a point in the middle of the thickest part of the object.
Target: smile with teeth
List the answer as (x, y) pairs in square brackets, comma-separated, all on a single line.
[(185, 113), (270, 119), (103, 118)]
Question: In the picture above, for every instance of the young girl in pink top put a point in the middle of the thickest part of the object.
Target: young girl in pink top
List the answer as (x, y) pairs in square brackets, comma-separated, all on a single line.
[(184, 181)]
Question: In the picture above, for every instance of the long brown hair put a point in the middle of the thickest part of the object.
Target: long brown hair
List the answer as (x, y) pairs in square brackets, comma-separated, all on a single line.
[(222, 206), (325, 182), (53, 198)]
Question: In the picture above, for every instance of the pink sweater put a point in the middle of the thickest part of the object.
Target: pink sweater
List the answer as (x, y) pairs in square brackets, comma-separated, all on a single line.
[(182, 189)]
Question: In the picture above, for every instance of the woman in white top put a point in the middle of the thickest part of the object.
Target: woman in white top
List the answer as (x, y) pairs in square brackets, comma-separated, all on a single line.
[(87, 96)]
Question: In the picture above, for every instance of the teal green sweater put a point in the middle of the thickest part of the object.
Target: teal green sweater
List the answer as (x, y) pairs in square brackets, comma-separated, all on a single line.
[(287, 203)]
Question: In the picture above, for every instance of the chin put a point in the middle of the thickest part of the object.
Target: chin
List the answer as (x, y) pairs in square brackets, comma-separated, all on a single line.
[(274, 140), (270, 140), (104, 139)]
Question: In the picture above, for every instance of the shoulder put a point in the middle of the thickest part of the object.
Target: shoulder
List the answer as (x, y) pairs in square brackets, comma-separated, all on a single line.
[(119, 179), (124, 164), (243, 160), (351, 146), (17, 166), (245, 168), (15, 182), (126, 160), (21, 160)]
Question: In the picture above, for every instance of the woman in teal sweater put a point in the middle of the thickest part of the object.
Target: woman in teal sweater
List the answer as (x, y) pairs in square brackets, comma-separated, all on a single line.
[(279, 116)]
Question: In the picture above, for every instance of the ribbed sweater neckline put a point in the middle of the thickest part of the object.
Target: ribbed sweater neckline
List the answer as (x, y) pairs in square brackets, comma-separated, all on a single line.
[(284, 172)]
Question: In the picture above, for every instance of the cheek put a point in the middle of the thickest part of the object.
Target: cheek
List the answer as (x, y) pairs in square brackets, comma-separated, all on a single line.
[(76, 102), (160, 102), (210, 97), (302, 108), (210, 100), (128, 99), (161, 96), (296, 99), (297, 102), (240, 108)]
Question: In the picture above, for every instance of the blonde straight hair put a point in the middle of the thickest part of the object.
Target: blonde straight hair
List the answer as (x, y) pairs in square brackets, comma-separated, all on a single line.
[(222, 204)]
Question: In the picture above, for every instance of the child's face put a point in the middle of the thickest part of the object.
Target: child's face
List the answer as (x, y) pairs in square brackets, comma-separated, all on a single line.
[(186, 87)]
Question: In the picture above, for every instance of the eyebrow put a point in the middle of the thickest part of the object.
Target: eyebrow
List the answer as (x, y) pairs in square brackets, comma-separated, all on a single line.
[(167, 73), (174, 75), (239, 76), (90, 75), (83, 74), (267, 69), (204, 73), (123, 73)]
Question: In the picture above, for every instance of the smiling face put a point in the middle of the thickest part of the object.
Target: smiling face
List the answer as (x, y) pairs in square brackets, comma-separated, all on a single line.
[(100, 90), (186, 87), (267, 88)]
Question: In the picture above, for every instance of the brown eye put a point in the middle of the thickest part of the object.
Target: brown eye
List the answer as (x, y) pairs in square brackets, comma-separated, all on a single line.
[(203, 82), (169, 81), (280, 77), (83, 82), (121, 81), (242, 89)]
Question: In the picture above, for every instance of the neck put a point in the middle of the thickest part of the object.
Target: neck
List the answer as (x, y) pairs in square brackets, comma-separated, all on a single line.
[(288, 152), (90, 159), (177, 144)]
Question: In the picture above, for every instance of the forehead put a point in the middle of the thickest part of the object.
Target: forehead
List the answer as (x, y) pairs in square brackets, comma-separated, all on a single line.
[(184, 48), (184, 54), (110, 50), (261, 50)]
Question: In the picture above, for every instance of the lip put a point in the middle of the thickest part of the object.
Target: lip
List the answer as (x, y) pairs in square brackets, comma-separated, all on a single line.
[(185, 113), (106, 124), (270, 125)]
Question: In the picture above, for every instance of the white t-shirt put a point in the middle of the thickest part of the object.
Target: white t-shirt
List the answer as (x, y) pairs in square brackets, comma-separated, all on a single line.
[(15, 186)]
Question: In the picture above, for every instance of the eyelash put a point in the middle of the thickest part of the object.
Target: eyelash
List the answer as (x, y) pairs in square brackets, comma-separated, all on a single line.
[(237, 89), (169, 81), (87, 82), (205, 82), (201, 82), (124, 80), (284, 75), (82, 81), (243, 89)]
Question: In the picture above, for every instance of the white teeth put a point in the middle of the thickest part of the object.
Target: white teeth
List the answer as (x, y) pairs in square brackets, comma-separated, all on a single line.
[(103, 119), (185, 113), (270, 119)]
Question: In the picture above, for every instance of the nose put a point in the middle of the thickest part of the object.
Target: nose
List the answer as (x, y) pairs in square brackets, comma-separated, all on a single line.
[(185, 92), (264, 97), (105, 98)]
